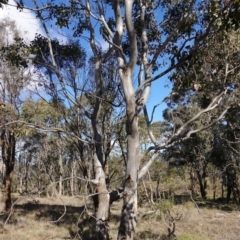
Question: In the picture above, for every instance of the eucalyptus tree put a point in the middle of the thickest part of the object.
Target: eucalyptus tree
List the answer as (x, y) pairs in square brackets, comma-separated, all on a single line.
[(41, 115), (225, 154), (195, 152), (144, 46), (213, 76), (13, 80)]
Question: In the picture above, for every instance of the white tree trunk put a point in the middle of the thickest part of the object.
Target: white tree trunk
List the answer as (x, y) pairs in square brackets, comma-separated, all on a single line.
[(72, 180), (60, 165)]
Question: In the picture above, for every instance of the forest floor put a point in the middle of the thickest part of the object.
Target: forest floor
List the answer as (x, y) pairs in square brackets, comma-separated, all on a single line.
[(70, 218)]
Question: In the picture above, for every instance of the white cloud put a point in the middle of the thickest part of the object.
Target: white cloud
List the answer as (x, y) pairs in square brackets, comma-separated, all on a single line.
[(28, 25), (26, 21), (104, 44)]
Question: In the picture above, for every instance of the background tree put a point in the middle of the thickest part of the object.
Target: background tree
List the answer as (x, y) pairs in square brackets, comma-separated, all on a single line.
[(14, 78)]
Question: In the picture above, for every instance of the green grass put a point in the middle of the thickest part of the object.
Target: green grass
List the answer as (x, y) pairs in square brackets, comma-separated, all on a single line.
[(187, 236)]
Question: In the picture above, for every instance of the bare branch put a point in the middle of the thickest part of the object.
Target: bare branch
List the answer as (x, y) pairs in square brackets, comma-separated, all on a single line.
[(32, 9), (145, 168), (209, 125), (44, 129), (147, 68), (131, 34), (118, 48), (150, 80), (211, 106), (149, 129), (119, 30)]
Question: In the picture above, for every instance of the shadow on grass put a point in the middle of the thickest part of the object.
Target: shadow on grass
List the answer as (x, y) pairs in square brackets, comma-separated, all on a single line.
[(219, 204), (79, 224), (147, 235)]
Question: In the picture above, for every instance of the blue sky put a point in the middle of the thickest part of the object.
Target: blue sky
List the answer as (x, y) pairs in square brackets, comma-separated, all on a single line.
[(29, 25)]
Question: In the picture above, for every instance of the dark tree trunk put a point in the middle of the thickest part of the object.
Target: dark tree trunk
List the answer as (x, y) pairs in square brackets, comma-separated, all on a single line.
[(192, 181), (214, 186), (222, 191), (229, 192), (202, 185), (9, 163)]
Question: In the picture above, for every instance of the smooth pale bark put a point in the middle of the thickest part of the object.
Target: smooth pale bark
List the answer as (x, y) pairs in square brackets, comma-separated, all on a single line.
[(102, 213), (103, 198), (60, 165), (72, 180), (129, 211), (26, 173), (20, 184)]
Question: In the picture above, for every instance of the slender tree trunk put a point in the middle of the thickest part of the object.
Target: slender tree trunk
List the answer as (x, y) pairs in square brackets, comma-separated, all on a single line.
[(60, 165), (222, 190), (106, 170), (39, 177), (72, 180), (158, 195), (102, 199), (230, 186), (192, 181), (236, 191), (202, 185), (229, 192), (214, 186), (20, 183), (10, 161), (26, 173)]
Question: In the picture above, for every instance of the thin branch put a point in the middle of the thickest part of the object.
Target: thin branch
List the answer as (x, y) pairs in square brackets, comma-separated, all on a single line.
[(131, 34), (44, 129), (117, 47), (149, 129), (11, 211), (65, 210), (208, 126), (150, 80), (28, 8), (172, 35), (211, 106), (157, 105), (145, 168)]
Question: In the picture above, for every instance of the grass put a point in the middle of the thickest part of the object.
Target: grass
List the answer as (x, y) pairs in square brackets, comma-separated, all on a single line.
[(43, 219)]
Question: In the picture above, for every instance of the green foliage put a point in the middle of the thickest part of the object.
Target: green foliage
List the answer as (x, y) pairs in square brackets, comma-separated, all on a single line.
[(188, 236), (41, 112), (165, 205), (65, 54), (12, 52)]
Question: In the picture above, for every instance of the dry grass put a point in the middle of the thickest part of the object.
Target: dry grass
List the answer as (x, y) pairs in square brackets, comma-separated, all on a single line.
[(195, 224), (31, 219)]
